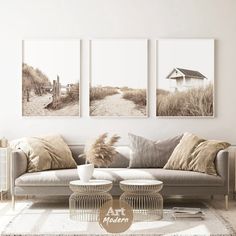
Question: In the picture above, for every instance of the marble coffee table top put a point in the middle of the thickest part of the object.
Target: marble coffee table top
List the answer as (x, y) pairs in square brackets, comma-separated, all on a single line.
[(92, 182), (141, 185), (91, 186), (141, 182)]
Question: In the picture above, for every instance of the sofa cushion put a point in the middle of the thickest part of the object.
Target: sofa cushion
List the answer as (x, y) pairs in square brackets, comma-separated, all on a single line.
[(146, 153), (169, 177), (45, 152), (203, 157), (121, 159), (180, 158)]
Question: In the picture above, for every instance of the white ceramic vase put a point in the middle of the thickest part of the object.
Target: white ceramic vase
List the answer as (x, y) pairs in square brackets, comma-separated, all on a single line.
[(85, 172)]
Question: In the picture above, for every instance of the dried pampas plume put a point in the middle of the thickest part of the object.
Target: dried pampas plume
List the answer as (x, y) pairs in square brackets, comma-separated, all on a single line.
[(102, 151)]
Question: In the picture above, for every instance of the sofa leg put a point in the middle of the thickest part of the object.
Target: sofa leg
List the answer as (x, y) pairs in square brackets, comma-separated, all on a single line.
[(226, 202), (13, 202)]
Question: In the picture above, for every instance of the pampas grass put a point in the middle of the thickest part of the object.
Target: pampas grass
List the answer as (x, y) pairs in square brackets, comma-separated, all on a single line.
[(102, 151)]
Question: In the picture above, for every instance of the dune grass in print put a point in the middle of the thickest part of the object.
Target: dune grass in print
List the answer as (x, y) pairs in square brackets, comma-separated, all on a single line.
[(98, 93), (192, 102), (115, 101)]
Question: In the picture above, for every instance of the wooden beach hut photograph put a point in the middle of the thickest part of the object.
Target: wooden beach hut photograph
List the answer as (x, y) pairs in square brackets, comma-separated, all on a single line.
[(185, 78)]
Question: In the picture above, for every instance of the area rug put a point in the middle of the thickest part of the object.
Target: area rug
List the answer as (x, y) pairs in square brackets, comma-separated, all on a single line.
[(53, 219)]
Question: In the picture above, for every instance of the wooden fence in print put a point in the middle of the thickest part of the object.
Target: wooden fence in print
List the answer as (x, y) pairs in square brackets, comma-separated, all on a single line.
[(56, 93)]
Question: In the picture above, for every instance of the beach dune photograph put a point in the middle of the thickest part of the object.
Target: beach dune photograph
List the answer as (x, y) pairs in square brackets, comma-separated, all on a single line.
[(185, 78), (118, 83), (51, 78)]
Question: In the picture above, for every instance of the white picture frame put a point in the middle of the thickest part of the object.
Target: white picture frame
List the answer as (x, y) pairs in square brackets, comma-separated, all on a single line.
[(185, 72), (51, 77), (119, 68)]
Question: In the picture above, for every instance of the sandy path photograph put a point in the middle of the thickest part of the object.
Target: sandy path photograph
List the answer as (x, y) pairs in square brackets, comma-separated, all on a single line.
[(118, 83), (115, 105)]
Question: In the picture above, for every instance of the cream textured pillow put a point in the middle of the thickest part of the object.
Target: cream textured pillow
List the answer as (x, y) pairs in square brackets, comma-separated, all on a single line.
[(180, 158), (203, 157), (45, 153)]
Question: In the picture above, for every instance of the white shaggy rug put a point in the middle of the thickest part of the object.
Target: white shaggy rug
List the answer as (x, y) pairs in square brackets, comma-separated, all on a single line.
[(53, 219)]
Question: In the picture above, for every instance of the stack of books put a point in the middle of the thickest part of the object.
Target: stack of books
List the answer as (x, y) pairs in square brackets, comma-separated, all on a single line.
[(184, 212)]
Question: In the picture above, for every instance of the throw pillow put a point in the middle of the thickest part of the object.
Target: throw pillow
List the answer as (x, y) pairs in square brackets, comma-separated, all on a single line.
[(180, 158), (203, 157), (147, 153), (45, 153)]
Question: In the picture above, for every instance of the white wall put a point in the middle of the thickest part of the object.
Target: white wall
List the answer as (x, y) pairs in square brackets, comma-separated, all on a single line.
[(152, 19)]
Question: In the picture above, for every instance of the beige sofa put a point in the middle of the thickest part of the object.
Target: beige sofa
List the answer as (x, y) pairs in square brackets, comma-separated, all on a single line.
[(176, 182)]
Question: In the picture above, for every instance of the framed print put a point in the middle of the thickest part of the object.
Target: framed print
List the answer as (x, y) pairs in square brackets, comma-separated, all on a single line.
[(118, 78), (185, 78), (51, 78)]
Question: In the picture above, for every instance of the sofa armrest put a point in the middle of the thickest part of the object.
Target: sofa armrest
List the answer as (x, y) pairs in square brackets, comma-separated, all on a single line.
[(18, 166), (222, 166)]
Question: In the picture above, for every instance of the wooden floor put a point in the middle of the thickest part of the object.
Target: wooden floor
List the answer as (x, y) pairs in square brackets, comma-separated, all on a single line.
[(6, 212)]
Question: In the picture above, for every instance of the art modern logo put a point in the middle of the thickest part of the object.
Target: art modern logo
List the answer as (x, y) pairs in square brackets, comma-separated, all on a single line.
[(116, 216)]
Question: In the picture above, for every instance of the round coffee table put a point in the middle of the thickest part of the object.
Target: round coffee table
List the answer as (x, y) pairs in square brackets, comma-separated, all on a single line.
[(87, 199), (142, 195)]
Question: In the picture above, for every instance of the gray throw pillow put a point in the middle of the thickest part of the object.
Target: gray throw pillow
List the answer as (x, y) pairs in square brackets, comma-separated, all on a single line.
[(150, 154)]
